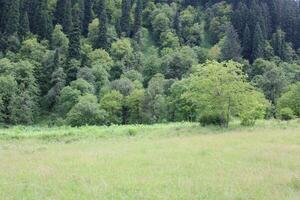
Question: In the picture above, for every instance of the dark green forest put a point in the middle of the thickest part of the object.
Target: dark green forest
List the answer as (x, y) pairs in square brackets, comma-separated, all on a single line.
[(102, 62)]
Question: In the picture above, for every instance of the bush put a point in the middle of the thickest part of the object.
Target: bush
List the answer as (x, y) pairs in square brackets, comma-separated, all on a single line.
[(86, 112), (212, 119), (286, 114)]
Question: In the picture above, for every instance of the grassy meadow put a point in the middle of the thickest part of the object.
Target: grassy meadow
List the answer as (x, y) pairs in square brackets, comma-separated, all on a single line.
[(171, 161)]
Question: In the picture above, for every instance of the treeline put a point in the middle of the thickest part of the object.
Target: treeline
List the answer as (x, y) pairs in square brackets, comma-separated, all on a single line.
[(100, 62)]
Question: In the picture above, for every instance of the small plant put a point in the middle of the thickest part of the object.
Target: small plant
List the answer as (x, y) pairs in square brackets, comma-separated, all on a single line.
[(132, 132), (286, 114)]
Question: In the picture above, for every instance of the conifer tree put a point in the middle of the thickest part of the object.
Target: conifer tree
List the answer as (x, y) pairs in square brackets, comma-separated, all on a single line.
[(279, 44), (24, 25), (258, 43), (11, 17), (43, 22), (231, 48), (74, 36), (87, 18), (63, 14), (138, 18), (177, 24), (125, 17), (102, 41), (247, 43)]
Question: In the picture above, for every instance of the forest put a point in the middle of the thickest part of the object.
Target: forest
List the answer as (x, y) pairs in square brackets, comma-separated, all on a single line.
[(103, 62)]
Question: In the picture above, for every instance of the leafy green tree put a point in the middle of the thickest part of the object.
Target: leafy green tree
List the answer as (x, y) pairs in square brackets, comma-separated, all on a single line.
[(67, 99), (86, 112), (134, 102), (59, 40), (177, 63), (112, 103), (154, 106), (8, 89), (220, 91), (290, 100), (270, 78), (83, 86)]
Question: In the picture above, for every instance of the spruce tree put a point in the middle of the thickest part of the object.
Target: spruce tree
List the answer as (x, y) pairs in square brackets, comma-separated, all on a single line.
[(125, 17), (231, 48), (74, 36), (63, 15), (24, 29), (87, 18), (59, 12), (258, 43), (102, 41), (67, 21), (247, 44), (278, 43), (11, 16), (138, 19), (177, 24), (43, 22)]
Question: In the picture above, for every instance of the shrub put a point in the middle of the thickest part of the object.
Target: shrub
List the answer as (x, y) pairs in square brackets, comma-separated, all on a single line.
[(86, 112), (212, 119), (285, 114)]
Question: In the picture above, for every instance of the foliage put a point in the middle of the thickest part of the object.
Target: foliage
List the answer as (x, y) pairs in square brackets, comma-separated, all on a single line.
[(86, 112)]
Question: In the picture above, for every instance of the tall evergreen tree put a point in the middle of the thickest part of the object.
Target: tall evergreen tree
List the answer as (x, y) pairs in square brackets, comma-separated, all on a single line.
[(24, 24), (59, 12), (87, 18), (43, 22), (63, 14), (11, 17), (177, 24), (102, 41), (138, 19), (125, 17), (279, 44), (247, 43), (231, 48), (258, 43), (74, 36)]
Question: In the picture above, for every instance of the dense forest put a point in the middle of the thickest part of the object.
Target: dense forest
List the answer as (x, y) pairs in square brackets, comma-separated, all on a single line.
[(102, 62)]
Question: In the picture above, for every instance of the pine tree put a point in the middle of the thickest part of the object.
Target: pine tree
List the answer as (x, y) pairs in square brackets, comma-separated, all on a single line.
[(231, 49), (87, 18), (138, 19), (125, 17), (63, 15), (43, 22), (11, 17), (258, 43), (74, 36), (67, 21), (278, 43), (247, 44), (177, 24), (102, 41), (59, 12), (24, 29)]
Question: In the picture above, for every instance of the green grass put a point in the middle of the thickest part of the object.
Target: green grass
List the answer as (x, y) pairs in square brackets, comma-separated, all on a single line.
[(171, 161)]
